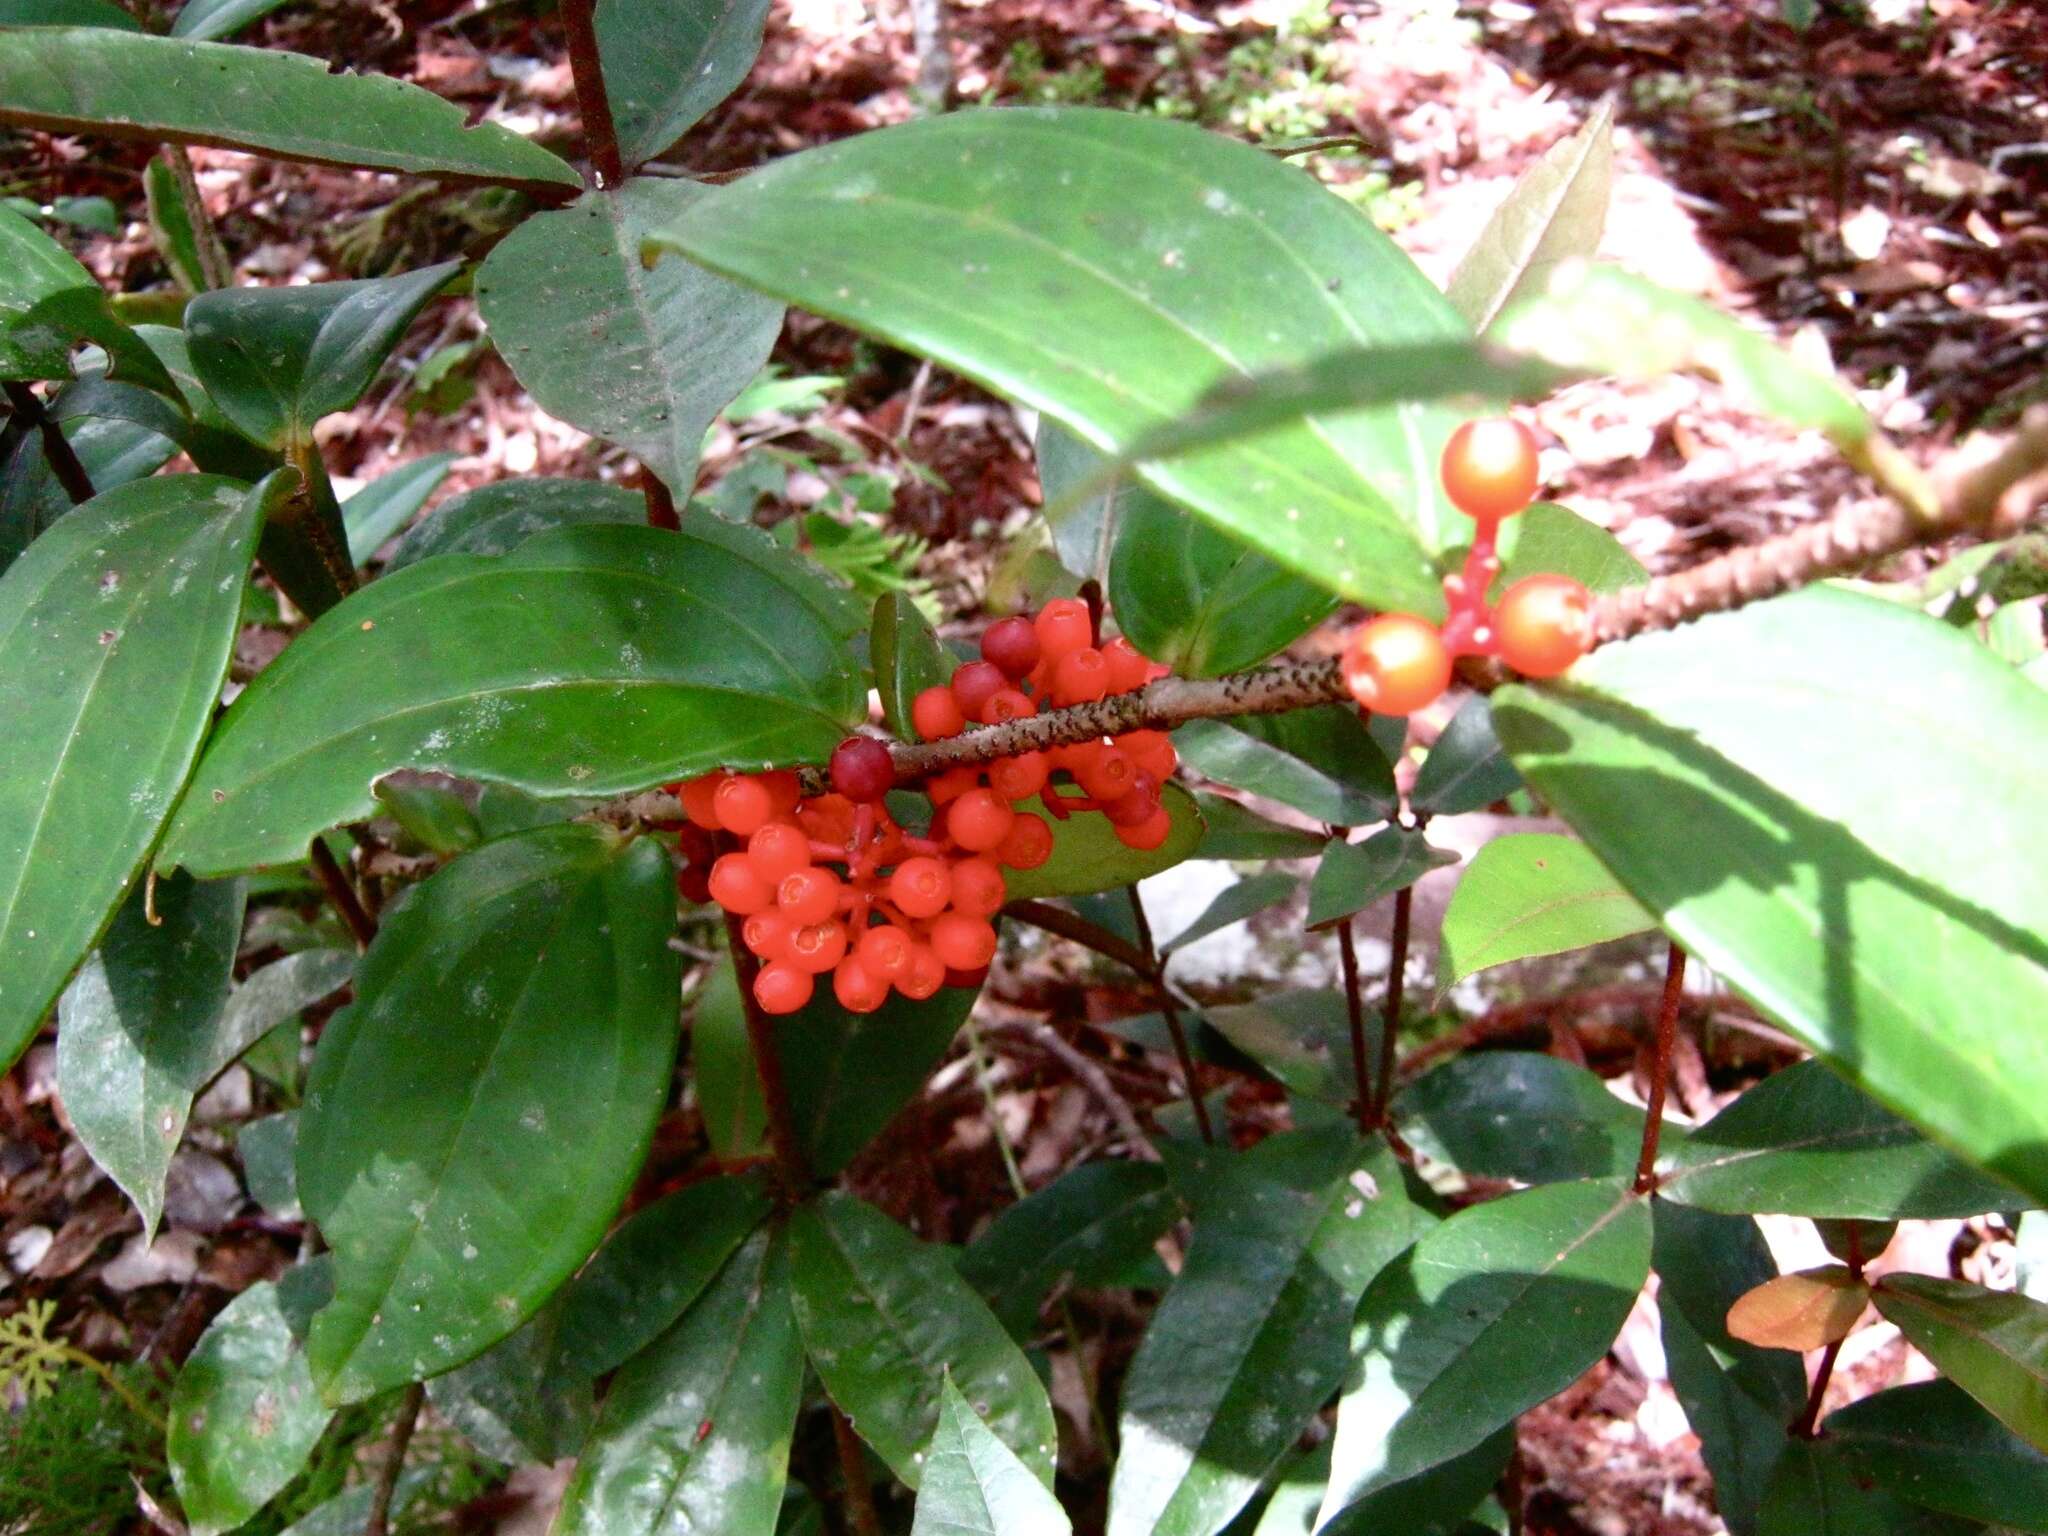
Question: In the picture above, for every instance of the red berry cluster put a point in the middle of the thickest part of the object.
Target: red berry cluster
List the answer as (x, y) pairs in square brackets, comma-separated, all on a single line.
[(1397, 663), (833, 883)]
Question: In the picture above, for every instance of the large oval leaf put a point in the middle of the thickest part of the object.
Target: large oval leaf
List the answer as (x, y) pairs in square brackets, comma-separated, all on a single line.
[(1086, 855), (642, 356), (1931, 1445), (1992, 1344), (1518, 1115), (1533, 893), (588, 661), (1786, 785), (475, 1117), (496, 519), (94, 81), (114, 636), (974, 1485), (668, 62), (49, 302), (1092, 265)]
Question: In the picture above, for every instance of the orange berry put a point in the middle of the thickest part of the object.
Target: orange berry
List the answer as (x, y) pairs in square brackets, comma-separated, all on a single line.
[(1005, 705), (1027, 845), (743, 804), (782, 988), (885, 951), (738, 887), (952, 784), (1128, 669), (921, 887), (1152, 751), (858, 989), (828, 818), (1108, 775), (935, 714), (1147, 834), (978, 887), (777, 849), (817, 947), (808, 896), (963, 943), (696, 798), (1080, 677), (1137, 806), (923, 976), (1064, 625), (979, 820), (1020, 777), (1489, 468), (767, 933), (1396, 664), (784, 788), (1545, 624)]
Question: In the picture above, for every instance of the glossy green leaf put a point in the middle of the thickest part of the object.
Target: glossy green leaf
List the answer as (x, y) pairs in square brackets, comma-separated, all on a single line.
[(1081, 534), (907, 659), (1087, 1227), (1353, 876), (1070, 259), (518, 1012), (1548, 537), (115, 629), (615, 659), (244, 1415), (49, 303), (644, 357), (135, 1026), (1556, 210), (650, 1271), (1803, 1142), (1781, 784), (1739, 1399), (511, 1403), (1992, 1344), (66, 13), (267, 1149), (212, 440), (1249, 897), (384, 506), (496, 519), (1249, 1343), (1303, 1038), (273, 995), (722, 1071), (285, 105), (1467, 769), (172, 227), (1498, 1309), (1931, 1444), (432, 815), (1086, 855), (1815, 1491), (1432, 1503), (668, 62), (1533, 893), (111, 450), (974, 1485), (885, 1318), (1232, 831), (1519, 1115), (275, 360), (203, 20), (695, 1433), (1603, 320), (1319, 761)]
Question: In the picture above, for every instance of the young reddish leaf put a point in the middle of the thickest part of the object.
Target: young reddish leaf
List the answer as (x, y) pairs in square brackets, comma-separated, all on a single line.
[(1800, 1311)]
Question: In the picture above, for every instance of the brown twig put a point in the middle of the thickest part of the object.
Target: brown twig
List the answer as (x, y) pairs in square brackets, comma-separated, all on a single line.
[(1807, 1427), (342, 893), (387, 1476), (1660, 1072), (593, 103), (1181, 1049), (661, 505), (1071, 925), (1390, 1014), (1091, 1077), (57, 449), (791, 1167), (861, 1518), (1354, 1007)]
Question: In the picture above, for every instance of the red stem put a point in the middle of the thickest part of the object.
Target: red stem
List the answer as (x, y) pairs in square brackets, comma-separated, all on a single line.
[(1390, 1018), (593, 104), (1354, 1004), (1660, 1078)]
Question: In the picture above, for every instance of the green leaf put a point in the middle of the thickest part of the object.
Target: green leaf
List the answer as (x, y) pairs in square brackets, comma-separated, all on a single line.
[(885, 1318), (907, 659), (1071, 260), (205, 20), (650, 1271), (273, 995), (1739, 1399), (615, 659), (1533, 893), (1600, 319), (644, 357), (974, 1485), (1088, 1227), (135, 1026), (1353, 876), (511, 1403), (1501, 1307), (49, 303), (244, 1415), (384, 506), (173, 227), (276, 360), (1548, 537), (112, 451), (115, 629), (1303, 1038), (695, 1433), (66, 13), (1086, 855), (519, 1011), (1249, 1343), (267, 1149), (1467, 769), (285, 105), (1556, 211), (1432, 1503), (1519, 1115), (1815, 1491), (1249, 897), (1992, 1344), (496, 519), (722, 1070), (432, 815), (1930, 1444), (668, 62), (1234, 832), (1780, 784), (212, 441), (1319, 761), (1805, 1143)]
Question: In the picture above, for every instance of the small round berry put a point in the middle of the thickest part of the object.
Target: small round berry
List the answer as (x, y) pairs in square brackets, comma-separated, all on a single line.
[(1545, 623), (1027, 845), (1136, 807), (1020, 777), (808, 896), (696, 798), (1064, 625), (1396, 664), (817, 947), (693, 883), (974, 684), (1147, 834), (861, 770), (963, 943), (1011, 644), (979, 820), (1005, 705), (738, 887), (935, 714), (921, 887), (972, 980), (1152, 751), (743, 804), (828, 818), (858, 989), (777, 849), (946, 787), (885, 951), (925, 974), (1080, 677), (1128, 668), (695, 845), (782, 988), (767, 933), (1107, 775), (978, 887), (1489, 468), (784, 788)]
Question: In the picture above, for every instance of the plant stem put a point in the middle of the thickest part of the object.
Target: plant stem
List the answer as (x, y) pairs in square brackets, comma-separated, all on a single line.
[(387, 1476), (215, 270), (342, 894), (1660, 1071), (794, 1172), (661, 506), (1071, 925), (1390, 1015), (1354, 1005), (860, 1498), (1808, 1426), (593, 103), (1189, 1078), (57, 449)]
